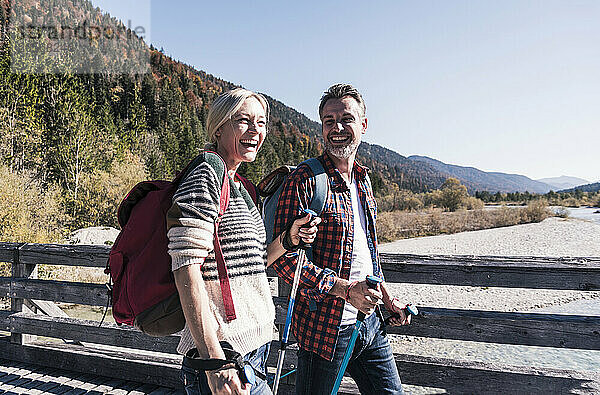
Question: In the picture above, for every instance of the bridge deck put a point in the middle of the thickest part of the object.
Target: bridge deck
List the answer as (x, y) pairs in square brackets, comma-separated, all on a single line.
[(19, 378)]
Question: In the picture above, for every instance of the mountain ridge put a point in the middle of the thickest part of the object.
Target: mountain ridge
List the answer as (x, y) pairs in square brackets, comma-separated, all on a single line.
[(593, 187), (564, 182), (479, 180)]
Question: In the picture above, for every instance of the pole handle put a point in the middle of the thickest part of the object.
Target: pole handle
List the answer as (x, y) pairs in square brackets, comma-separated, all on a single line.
[(409, 309), (287, 242), (372, 282)]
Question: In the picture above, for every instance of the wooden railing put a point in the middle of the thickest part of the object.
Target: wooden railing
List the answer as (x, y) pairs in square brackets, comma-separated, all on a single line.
[(124, 352)]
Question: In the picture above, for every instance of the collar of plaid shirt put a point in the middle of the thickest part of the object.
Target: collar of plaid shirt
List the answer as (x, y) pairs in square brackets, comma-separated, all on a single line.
[(317, 314)]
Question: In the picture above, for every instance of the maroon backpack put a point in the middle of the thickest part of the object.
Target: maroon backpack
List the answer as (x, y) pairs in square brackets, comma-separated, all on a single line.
[(143, 291)]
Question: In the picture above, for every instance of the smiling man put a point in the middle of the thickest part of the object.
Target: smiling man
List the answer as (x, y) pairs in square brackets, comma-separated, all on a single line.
[(333, 287)]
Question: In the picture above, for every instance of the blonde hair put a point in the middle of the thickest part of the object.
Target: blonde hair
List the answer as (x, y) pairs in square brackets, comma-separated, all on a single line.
[(227, 104)]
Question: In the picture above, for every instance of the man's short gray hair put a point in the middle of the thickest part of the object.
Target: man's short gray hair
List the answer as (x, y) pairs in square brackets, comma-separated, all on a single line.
[(339, 91)]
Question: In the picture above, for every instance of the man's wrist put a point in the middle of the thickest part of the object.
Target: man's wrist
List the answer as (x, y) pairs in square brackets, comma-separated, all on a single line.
[(224, 367), (339, 288), (348, 289), (389, 303)]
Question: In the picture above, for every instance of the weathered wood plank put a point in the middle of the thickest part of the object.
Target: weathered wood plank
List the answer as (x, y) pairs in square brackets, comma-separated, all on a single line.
[(65, 254), (21, 270), (5, 320), (531, 329), (467, 377), (579, 274), (48, 308), (5, 286), (89, 332), (7, 251), (493, 260), (116, 363), (59, 291)]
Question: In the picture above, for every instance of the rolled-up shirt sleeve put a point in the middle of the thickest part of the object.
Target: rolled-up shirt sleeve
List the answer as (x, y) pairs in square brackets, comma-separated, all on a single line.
[(315, 282)]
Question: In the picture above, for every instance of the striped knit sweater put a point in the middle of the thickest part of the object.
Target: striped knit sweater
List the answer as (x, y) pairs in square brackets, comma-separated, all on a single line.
[(242, 235)]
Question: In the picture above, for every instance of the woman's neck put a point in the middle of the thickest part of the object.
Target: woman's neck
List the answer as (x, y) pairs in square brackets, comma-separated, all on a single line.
[(231, 164)]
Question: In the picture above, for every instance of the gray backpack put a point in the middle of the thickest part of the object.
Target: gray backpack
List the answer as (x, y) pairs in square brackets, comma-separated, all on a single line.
[(270, 189)]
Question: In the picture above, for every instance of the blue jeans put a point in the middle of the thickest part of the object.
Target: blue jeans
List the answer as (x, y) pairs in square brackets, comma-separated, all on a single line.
[(372, 365), (195, 381)]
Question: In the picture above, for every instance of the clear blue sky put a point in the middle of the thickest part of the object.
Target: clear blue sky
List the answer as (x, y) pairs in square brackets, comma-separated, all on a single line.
[(511, 86)]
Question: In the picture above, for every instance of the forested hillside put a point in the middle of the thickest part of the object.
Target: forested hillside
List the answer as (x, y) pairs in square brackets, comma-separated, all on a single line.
[(90, 137), (595, 187), (478, 180)]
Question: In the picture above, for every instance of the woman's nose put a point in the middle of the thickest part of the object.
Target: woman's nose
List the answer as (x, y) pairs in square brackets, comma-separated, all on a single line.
[(253, 127)]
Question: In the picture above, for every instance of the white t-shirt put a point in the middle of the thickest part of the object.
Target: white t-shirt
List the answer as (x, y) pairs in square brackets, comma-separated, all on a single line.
[(361, 265)]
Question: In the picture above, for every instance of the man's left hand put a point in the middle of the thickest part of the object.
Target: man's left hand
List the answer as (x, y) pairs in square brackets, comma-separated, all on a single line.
[(399, 314)]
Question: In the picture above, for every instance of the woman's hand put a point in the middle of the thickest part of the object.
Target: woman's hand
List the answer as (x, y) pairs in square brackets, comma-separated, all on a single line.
[(300, 230), (226, 381)]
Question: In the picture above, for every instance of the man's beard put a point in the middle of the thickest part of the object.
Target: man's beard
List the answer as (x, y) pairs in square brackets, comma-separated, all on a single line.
[(342, 151)]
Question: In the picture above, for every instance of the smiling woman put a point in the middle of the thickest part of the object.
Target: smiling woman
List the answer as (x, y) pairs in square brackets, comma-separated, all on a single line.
[(237, 127), (240, 138)]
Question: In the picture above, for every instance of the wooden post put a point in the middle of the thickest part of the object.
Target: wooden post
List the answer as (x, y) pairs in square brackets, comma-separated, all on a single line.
[(20, 270)]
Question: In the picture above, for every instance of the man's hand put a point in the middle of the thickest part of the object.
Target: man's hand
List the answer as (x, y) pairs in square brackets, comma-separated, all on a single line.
[(399, 315), (363, 297), (226, 381)]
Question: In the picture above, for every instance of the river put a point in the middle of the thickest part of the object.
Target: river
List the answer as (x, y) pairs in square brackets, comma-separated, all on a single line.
[(587, 213)]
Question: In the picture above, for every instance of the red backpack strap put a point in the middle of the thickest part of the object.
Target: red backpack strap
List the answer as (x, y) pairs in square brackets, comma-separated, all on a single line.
[(221, 268), (250, 187)]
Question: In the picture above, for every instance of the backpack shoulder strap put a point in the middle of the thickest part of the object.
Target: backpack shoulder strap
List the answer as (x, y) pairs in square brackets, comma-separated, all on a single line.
[(250, 188), (321, 185), (321, 192)]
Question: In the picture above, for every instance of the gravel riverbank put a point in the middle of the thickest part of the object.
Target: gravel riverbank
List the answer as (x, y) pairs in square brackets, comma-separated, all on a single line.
[(554, 237)]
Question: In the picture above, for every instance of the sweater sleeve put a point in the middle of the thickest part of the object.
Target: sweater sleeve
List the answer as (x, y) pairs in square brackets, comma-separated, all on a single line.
[(191, 218)]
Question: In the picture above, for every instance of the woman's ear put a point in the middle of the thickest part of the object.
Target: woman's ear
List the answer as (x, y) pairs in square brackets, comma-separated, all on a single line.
[(218, 133)]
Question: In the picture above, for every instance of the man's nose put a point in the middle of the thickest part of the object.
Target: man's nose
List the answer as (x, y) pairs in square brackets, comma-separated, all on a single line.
[(339, 126)]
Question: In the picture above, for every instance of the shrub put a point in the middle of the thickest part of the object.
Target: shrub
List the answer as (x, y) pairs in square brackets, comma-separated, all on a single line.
[(453, 194), (102, 192), (536, 211), (409, 201), (561, 212), (29, 213), (472, 203)]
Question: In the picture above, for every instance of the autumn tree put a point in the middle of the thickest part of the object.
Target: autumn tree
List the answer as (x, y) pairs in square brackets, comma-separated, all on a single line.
[(452, 195)]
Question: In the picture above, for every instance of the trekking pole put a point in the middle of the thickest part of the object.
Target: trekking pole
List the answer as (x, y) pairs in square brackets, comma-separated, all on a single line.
[(372, 282), (290, 310)]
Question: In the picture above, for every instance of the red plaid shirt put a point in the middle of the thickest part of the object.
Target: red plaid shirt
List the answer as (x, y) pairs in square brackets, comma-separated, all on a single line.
[(317, 315)]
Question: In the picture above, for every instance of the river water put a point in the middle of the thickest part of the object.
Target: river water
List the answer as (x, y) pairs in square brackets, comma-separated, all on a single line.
[(587, 213)]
